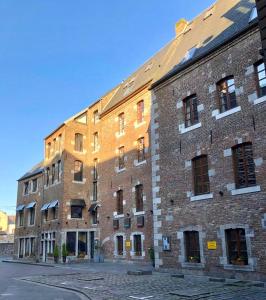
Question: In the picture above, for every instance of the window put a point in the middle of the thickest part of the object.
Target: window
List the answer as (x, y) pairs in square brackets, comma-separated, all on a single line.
[(59, 141), (141, 149), (48, 150), (47, 176), (244, 165), (95, 141), (200, 174), (76, 212), (54, 211), (119, 199), (95, 116), (82, 244), (78, 171), (121, 122), (192, 248), (27, 247), (21, 218), (34, 185), (120, 245), (139, 197), (227, 94), (53, 173), (236, 246), (140, 111), (137, 245), (58, 170), (26, 187), (54, 145), (190, 53), (45, 215), (79, 142), (261, 78), (121, 158), (71, 243), (253, 14), (32, 216), (94, 215), (95, 179), (191, 110)]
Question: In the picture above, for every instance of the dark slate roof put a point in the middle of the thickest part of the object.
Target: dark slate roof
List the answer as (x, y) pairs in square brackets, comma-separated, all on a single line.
[(37, 169), (226, 18)]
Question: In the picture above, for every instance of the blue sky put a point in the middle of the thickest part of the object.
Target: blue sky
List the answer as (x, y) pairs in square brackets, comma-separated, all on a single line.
[(58, 56)]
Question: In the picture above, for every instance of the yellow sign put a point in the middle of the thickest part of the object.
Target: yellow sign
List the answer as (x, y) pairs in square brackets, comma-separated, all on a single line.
[(128, 244), (212, 245)]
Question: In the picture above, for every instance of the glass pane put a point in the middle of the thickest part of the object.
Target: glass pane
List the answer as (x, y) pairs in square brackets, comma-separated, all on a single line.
[(260, 67), (71, 243), (82, 244)]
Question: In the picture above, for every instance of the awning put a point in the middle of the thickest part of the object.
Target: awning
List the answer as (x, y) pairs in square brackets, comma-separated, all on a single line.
[(45, 206), (93, 207), (20, 207), (53, 204), (31, 205), (78, 202)]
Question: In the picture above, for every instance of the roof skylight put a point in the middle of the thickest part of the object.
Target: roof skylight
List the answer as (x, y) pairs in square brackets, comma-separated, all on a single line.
[(253, 14), (190, 53)]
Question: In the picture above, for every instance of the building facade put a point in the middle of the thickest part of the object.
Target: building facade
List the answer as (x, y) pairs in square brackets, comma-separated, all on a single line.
[(209, 144)]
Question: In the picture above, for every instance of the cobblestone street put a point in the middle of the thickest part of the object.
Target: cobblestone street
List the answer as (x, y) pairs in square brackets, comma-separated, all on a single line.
[(113, 286)]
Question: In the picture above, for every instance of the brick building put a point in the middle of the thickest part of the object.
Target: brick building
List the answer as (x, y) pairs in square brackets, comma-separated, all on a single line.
[(208, 141)]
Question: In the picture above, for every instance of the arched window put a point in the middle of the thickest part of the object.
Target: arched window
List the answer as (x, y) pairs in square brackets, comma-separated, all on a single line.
[(78, 170), (78, 142)]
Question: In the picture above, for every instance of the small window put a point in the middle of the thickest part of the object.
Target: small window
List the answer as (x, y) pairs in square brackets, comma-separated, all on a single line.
[(227, 94), (261, 78), (120, 245), (47, 176), (34, 185), (54, 212), (32, 216), (78, 171), (140, 111), (253, 14), (244, 165), (26, 187), (141, 149), (119, 199), (59, 166), (137, 245), (54, 145), (45, 215), (139, 197), (95, 141), (236, 246), (48, 150), (76, 212), (94, 215), (200, 174), (191, 110), (192, 248), (53, 173), (95, 116), (79, 142), (121, 158), (121, 123), (21, 218)]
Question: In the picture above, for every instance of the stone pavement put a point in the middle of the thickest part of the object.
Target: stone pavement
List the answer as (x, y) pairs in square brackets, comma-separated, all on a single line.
[(112, 285)]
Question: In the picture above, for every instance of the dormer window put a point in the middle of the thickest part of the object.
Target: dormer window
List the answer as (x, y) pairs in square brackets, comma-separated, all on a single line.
[(253, 14), (190, 53)]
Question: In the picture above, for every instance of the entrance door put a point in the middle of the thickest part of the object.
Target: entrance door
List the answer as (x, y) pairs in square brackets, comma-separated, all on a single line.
[(91, 244)]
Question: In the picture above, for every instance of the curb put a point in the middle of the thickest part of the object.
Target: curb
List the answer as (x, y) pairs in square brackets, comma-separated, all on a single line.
[(27, 263)]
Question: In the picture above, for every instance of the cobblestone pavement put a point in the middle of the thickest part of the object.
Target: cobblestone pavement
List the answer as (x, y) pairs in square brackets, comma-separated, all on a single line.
[(113, 286)]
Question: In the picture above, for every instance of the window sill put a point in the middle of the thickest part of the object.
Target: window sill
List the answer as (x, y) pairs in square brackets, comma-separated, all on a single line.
[(79, 152), (247, 268), (247, 190), (119, 216), (201, 197), (137, 257), (137, 125), (139, 213), (259, 100), (190, 128), (228, 113), (143, 162), (118, 134), (79, 182), (120, 170)]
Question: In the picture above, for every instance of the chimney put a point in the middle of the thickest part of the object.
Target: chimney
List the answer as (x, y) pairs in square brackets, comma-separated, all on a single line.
[(180, 26)]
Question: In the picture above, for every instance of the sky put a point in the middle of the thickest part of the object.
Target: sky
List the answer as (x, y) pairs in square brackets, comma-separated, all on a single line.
[(59, 56)]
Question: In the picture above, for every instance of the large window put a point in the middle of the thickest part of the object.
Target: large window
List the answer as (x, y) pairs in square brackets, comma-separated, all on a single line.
[(120, 245), (95, 141), (244, 165), (76, 212), (21, 218), (140, 111), (139, 197), (34, 185), (200, 174), (191, 110), (78, 171), (137, 245), (121, 123), (95, 180), (261, 78), (32, 216), (141, 149), (227, 94), (82, 244), (236, 246), (121, 158), (26, 187), (192, 248), (71, 243), (78, 142), (119, 203)]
